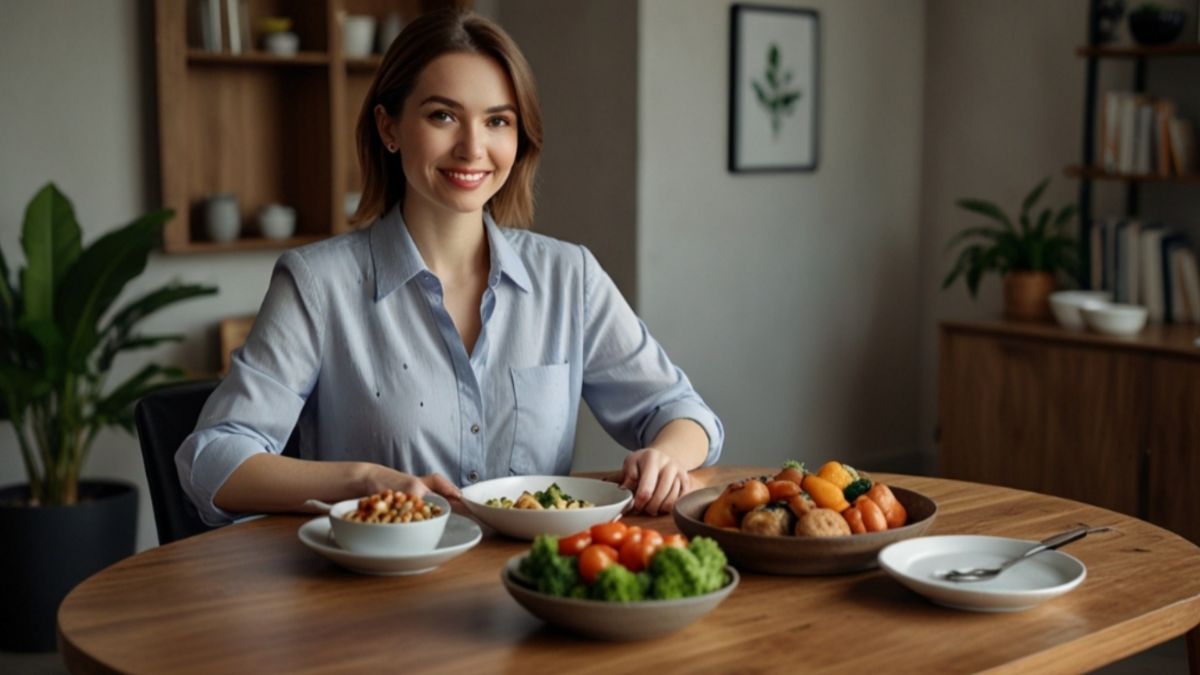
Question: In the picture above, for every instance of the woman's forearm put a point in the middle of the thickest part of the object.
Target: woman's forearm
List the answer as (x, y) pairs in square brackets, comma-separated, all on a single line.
[(268, 483), (685, 441)]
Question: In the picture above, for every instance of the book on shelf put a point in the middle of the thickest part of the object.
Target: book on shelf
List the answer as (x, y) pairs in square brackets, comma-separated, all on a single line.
[(1173, 296), (1140, 135), (1184, 260), (209, 17), (1151, 292)]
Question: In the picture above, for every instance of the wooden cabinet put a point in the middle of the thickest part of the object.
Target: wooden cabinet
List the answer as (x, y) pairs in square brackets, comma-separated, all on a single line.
[(1110, 421), (268, 129)]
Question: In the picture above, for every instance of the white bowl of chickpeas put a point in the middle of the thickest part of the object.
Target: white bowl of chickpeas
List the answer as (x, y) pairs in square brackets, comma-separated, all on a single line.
[(389, 523)]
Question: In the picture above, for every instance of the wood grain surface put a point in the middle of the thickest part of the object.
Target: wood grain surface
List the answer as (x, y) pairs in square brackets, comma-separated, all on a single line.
[(251, 598)]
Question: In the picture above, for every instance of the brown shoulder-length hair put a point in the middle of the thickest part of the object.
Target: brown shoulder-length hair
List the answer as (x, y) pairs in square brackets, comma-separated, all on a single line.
[(428, 37)]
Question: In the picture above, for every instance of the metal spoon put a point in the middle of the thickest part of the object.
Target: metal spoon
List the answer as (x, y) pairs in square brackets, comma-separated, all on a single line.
[(319, 505), (985, 573)]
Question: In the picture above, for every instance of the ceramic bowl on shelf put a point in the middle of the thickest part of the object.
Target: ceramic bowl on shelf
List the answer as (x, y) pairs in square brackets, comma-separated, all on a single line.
[(1115, 319), (1151, 26), (1067, 306)]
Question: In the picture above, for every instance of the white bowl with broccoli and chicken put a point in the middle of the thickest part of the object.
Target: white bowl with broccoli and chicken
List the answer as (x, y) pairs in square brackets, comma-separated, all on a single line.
[(523, 507), (631, 584)]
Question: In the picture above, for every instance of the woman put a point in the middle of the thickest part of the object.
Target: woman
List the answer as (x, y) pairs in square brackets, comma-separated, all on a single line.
[(435, 348)]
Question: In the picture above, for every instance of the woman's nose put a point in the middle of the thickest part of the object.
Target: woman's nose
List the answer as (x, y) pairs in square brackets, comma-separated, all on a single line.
[(470, 144)]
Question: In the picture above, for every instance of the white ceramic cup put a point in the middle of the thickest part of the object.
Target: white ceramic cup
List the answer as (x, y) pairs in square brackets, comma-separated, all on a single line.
[(222, 218), (277, 221), (358, 35), (282, 44)]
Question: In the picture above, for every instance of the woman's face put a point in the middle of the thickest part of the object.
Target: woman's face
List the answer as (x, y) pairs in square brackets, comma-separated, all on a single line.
[(457, 135)]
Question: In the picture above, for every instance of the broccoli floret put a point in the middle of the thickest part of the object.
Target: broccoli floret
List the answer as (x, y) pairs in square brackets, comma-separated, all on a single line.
[(578, 592), (857, 489), (712, 563), (676, 573), (553, 574), (615, 583), (793, 464)]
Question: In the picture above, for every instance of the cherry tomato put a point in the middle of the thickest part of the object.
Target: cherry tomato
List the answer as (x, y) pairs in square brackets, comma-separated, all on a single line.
[(610, 534), (652, 537), (636, 555), (675, 540), (575, 543), (595, 558)]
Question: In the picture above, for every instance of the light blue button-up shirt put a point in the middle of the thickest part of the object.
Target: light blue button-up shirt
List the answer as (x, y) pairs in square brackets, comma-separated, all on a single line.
[(354, 342)]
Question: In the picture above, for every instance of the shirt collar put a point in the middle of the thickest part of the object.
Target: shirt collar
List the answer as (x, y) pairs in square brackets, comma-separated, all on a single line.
[(397, 261)]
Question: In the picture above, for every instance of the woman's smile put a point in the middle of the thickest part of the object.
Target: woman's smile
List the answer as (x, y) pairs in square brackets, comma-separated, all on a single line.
[(465, 179)]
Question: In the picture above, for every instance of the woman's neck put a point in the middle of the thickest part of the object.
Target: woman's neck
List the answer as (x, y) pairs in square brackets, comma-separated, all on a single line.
[(453, 245)]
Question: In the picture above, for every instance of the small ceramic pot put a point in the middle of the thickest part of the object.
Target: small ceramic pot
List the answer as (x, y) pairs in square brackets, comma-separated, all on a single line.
[(282, 44), (222, 218), (276, 221), (1027, 295), (358, 35)]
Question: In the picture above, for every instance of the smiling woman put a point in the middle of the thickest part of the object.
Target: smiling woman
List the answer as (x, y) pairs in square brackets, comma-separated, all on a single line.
[(438, 347)]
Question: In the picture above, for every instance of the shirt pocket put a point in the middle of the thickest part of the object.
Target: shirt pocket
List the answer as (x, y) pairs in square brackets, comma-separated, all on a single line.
[(542, 405)]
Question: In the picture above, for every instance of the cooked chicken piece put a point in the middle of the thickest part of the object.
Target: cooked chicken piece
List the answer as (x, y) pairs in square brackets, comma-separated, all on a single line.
[(822, 523), (526, 501), (772, 519)]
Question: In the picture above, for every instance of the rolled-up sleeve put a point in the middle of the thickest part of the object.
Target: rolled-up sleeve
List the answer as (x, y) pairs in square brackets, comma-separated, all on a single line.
[(629, 383), (256, 406)]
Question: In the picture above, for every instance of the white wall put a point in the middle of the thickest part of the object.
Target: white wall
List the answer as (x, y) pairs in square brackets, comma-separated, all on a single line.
[(790, 299), (77, 109)]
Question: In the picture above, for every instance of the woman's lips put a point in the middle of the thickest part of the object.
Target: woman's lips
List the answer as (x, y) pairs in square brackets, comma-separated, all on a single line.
[(467, 180)]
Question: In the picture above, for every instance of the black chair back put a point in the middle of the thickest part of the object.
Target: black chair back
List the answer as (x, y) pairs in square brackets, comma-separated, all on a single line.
[(164, 419)]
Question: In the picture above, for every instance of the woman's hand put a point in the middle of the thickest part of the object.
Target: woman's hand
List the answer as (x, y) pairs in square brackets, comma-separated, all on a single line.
[(379, 478), (656, 478)]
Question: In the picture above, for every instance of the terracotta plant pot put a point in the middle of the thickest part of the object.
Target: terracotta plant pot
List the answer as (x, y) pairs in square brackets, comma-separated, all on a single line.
[(1027, 295)]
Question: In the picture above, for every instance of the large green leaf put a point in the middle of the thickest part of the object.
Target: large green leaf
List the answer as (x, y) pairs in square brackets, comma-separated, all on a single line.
[(129, 343), (50, 237), (133, 312), (988, 209), (98, 277), (50, 341), (1034, 195), (7, 301), (146, 380)]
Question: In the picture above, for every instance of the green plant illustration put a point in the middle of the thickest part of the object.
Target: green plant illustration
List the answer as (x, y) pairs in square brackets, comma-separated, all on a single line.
[(773, 94)]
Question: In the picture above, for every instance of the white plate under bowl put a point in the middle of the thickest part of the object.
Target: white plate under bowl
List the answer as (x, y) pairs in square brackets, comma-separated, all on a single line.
[(609, 499), (460, 535), (917, 562)]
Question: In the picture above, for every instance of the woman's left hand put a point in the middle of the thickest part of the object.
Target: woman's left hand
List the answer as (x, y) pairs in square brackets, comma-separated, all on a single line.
[(656, 478)]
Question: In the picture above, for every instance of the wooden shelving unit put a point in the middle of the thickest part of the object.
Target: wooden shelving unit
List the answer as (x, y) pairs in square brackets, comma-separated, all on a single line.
[(1087, 171), (267, 128)]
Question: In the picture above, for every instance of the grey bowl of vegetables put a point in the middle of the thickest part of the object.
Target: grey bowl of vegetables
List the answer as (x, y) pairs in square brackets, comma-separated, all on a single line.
[(627, 585)]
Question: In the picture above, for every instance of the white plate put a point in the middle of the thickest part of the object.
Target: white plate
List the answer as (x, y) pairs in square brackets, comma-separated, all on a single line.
[(460, 535), (917, 562), (609, 499)]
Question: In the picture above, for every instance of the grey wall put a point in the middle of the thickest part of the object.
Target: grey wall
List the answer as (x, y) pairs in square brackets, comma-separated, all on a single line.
[(790, 299)]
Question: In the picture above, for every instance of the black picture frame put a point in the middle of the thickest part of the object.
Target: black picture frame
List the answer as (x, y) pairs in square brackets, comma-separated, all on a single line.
[(774, 113)]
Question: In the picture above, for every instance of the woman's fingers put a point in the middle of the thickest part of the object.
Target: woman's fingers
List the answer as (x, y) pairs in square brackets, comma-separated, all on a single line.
[(630, 471), (663, 492), (438, 483)]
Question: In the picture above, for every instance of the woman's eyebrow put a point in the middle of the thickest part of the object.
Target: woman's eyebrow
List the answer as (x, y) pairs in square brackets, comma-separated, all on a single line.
[(451, 103)]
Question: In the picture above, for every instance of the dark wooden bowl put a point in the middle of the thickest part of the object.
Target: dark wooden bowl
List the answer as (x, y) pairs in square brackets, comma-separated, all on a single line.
[(802, 555)]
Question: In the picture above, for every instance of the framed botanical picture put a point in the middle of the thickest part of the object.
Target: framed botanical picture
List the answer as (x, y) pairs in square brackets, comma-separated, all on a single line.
[(774, 85)]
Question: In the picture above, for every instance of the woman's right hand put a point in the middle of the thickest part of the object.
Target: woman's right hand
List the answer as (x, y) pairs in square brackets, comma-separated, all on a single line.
[(379, 478)]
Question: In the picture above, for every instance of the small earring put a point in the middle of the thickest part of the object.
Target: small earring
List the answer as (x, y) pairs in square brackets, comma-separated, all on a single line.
[(391, 147)]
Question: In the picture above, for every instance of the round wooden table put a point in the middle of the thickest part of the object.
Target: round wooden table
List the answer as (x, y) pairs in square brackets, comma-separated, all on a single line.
[(251, 598)]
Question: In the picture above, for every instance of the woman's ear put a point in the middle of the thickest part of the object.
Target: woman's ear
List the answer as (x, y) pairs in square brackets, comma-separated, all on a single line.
[(384, 125)]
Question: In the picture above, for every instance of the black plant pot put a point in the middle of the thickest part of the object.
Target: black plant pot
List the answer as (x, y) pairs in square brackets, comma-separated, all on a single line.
[(48, 550)]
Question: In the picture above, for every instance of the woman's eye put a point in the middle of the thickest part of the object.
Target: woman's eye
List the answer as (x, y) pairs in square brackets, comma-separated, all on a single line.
[(441, 116), (499, 122)]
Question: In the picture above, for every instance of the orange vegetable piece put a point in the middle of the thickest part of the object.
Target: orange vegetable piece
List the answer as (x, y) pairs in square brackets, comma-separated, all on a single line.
[(872, 516), (720, 513), (782, 489), (854, 519), (749, 494), (893, 510), (791, 473), (825, 494)]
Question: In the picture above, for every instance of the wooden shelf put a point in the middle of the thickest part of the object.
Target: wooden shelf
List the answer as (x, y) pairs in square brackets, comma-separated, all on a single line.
[(268, 129), (1096, 173), (369, 63), (246, 244), (199, 57), (1128, 52)]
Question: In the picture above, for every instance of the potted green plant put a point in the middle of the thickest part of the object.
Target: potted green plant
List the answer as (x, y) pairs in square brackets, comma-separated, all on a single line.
[(1029, 255), (59, 336)]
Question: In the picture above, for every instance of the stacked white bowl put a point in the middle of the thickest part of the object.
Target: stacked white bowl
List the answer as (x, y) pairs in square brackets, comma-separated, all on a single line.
[(1077, 310)]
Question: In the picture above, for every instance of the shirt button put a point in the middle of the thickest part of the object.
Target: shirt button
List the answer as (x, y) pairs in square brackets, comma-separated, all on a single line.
[(474, 428), (473, 476)]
